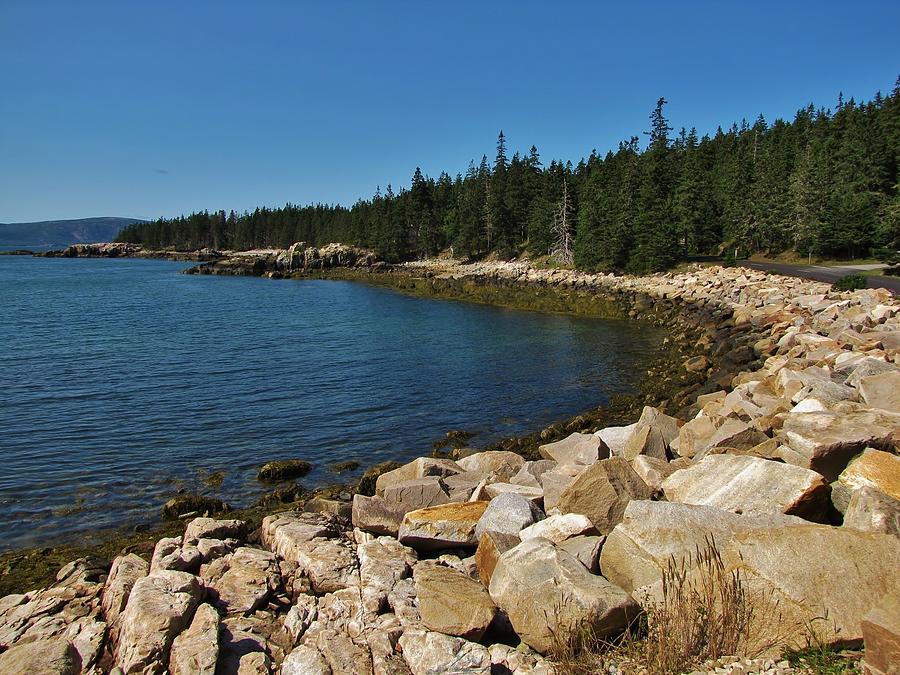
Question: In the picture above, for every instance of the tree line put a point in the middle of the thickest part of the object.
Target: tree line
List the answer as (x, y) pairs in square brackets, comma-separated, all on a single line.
[(824, 183)]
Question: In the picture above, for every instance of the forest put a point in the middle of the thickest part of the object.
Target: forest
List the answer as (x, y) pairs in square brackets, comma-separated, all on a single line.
[(823, 184)]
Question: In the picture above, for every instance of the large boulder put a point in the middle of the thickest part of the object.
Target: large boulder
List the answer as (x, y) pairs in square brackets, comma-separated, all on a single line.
[(304, 660), (428, 653), (874, 469), (382, 563), (41, 657), (746, 484), (603, 491), (531, 473), (123, 574), (502, 464), (451, 602), (196, 650), (508, 513), (637, 550), (871, 510), (375, 514), (825, 441), (615, 438), (881, 391), (550, 597), (796, 564), (652, 470), (558, 528), (881, 632), (160, 606), (242, 582), (492, 545), (210, 528), (418, 468), (417, 493), (576, 449), (446, 526)]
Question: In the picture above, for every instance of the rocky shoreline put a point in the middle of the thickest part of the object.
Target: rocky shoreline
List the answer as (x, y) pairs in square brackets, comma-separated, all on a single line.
[(777, 446)]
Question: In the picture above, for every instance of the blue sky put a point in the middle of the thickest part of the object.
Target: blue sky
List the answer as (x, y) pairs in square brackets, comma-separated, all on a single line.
[(150, 109)]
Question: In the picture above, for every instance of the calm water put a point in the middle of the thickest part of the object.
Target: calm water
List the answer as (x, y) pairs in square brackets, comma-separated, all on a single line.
[(123, 381)]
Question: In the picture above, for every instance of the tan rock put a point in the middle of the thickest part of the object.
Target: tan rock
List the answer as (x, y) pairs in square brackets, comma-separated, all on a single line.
[(645, 441), (695, 436), (242, 582), (532, 494), (417, 493), (374, 514), (41, 657), (873, 468), (196, 650), (445, 526), (637, 550), (881, 632), (160, 606), (555, 482), (210, 528), (652, 470), (750, 485), (123, 574), (491, 545), (881, 391), (825, 442), (871, 510), (428, 653), (382, 563), (576, 449), (796, 564), (305, 660), (500, 463), (418, 468), (586, 550), (549, 595), (452, 603), (531, 473), (603, 491), (558, 528), (615, 438)]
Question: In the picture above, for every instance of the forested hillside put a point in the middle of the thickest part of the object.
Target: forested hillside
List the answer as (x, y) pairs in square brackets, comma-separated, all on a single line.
[(824, 183)]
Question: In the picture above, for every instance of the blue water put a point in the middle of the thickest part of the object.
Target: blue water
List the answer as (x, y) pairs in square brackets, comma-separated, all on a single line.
[(123, 381)]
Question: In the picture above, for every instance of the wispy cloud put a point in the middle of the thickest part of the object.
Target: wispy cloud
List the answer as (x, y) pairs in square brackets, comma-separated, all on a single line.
[(163, 172)]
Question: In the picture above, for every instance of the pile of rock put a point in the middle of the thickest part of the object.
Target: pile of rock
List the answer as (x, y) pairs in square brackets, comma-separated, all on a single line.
[(791, 471)]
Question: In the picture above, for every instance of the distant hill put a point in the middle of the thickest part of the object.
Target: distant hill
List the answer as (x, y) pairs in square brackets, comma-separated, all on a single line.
[(50, 234)]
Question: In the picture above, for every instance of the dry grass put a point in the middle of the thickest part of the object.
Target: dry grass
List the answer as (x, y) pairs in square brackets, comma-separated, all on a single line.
[(705, 612)]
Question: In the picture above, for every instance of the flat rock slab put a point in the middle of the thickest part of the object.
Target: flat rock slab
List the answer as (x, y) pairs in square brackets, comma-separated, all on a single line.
[(871, 510), (615, 438), (818, 570), (881, 391), (451, 602), (881, 631), (751, 485), (825, 441), (576, 449), (417, 493), (637, 550), (445, 526), (532, 494), (210, 528), (602, 492), (548, 595)]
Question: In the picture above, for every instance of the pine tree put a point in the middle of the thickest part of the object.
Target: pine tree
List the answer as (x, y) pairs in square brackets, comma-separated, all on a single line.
[(562, 226)]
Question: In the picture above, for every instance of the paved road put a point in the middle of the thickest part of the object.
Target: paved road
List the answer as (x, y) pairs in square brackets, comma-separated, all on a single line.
[(827, 274)]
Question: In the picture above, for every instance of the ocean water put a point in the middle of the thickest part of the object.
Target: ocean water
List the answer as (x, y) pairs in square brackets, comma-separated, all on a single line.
[(123, 381)]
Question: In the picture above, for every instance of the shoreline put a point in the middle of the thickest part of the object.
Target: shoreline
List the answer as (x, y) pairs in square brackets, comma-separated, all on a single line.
[(765, 440), (669, 382)]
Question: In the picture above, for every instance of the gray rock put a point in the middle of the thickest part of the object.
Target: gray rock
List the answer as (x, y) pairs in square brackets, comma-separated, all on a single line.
[(417, 493), (586, 550), (508, 513), (502, 464), (374, 514), (615, 438), (418, 468), (558, 528)]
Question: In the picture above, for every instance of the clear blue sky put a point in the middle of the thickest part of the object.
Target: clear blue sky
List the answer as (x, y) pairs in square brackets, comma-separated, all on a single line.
[(159, 108)]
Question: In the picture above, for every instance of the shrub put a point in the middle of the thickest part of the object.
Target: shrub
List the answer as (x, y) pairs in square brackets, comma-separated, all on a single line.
[(705, 612), (729, 259), (851, 282)]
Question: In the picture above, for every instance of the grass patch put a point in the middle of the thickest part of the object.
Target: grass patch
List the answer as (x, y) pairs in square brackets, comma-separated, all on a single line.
[(704, 612)]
